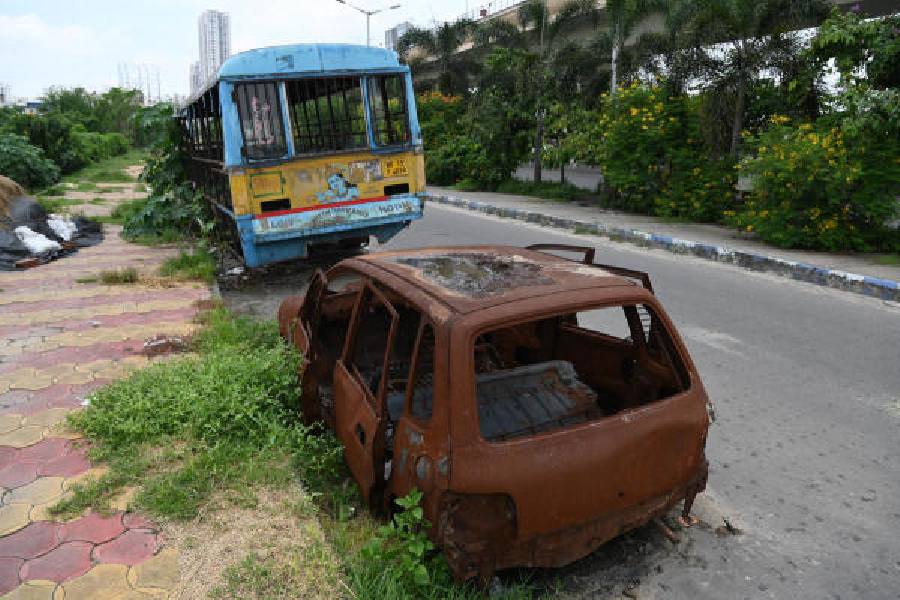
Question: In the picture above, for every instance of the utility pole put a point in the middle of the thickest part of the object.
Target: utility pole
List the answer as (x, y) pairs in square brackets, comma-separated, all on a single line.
[(368, 14)]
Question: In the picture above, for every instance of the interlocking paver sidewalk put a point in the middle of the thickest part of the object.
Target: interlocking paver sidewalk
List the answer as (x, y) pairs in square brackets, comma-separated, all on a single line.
[(59, 341)]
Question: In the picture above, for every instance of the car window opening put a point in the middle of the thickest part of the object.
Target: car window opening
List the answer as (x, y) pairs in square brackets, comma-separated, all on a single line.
[(569, 369)]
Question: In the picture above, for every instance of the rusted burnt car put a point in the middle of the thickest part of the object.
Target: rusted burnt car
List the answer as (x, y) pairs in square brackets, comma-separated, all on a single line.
[(543, 405)]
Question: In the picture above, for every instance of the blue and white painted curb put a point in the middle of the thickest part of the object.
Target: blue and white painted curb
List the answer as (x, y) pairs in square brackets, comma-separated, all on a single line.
[(886, 289)]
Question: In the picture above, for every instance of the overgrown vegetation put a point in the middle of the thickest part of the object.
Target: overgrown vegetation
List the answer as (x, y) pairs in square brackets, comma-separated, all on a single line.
[(72, 128), (725, 90), (201, 432), (197, 264), (119, 276)]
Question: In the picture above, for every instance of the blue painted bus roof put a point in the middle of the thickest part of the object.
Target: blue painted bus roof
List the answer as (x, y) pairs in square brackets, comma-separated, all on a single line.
[(306, 58)]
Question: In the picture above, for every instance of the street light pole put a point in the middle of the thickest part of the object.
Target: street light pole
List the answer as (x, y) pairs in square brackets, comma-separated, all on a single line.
[(368, 14)]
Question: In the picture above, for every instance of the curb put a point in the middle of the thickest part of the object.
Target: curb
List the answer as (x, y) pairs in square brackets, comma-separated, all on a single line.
[(885, 289)]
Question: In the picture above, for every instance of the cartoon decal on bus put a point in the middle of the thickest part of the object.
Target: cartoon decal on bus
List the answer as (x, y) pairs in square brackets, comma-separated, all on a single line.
[(339, 190)]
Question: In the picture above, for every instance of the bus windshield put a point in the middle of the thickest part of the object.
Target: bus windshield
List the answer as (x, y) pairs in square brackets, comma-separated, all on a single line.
[(325, 114)]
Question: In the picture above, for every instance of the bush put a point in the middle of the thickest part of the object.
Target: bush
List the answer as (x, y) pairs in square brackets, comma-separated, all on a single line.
[(653, 161), (175, 214), (821, 187), (26, 164)]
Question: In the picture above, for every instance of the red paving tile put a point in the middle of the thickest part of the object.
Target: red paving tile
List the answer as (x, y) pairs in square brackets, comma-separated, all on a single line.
[(71, 464), (54, 396), (38, 538), (66, 562), (9, 574), (47, 449), (130, 548), (7, 453), (93, 528), (135, 521), (18, 473)]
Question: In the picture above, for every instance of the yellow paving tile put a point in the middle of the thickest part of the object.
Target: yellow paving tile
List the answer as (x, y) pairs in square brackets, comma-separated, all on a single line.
[(36, 589), (8, 422), (122, 500), (39, 491), (74, 378), (22, 437), (92, 474), (13, 517), (103, 582), (41, 512), (29, 379), (66, 314), (161, 571), (94, 365), (47, 418)]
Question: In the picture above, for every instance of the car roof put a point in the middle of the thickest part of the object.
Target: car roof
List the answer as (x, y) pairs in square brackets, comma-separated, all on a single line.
[(470, 278)]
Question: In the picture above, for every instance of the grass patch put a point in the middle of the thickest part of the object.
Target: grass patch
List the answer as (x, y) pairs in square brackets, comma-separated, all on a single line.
[(88, 279), (199, 433), (56, 190), (890, 260), (140, 187), (122, 212), (119, 276), (197, 264), (87, 186), (98, 201), (467, 185), (54, 205), (109, 170)]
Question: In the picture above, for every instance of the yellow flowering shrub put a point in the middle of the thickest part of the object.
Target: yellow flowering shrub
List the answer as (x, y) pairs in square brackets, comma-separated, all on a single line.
[(644, 144), (817, 186)]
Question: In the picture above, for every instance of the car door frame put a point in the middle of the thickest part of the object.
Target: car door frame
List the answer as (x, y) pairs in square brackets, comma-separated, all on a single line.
[(359, 415)]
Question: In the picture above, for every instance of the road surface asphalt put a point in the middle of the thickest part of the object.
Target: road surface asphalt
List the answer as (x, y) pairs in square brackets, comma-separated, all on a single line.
[(804, 454)]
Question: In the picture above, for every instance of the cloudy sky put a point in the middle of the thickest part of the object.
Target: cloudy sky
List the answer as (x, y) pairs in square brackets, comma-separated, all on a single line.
[(81, 42)]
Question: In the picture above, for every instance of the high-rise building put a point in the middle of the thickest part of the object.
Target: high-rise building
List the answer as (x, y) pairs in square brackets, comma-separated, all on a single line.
[(215, 42), (196, 79), (5, 94), (393, 35)]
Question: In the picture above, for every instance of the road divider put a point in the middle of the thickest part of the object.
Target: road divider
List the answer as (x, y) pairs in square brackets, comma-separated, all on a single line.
[(885, 289)]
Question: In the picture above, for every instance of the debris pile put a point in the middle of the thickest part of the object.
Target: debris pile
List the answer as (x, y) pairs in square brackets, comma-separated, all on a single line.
[(30, 237)]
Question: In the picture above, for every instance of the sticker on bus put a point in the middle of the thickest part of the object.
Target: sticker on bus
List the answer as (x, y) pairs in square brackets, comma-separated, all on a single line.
[(395, 167)]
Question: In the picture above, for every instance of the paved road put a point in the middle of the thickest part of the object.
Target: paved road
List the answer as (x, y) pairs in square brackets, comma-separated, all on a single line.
[(804, 456)]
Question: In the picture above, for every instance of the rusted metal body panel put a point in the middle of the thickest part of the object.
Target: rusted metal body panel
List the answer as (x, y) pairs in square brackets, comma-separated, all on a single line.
[(534, 439)]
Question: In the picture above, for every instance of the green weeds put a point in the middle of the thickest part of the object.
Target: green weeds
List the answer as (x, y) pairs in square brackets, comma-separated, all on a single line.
[(119, 276), (109, 170), (198, 264), (203, 432)]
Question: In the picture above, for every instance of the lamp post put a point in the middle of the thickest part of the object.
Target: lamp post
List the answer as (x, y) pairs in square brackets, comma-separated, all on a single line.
[(369, 14)]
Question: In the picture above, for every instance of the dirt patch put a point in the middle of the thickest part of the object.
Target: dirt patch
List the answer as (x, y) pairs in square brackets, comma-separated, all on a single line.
[(134, 170), (276, 529), (165, 344)]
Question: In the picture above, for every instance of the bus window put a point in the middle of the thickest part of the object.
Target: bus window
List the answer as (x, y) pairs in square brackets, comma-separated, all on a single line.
[(260, 112), (387, 95), (327, 114)]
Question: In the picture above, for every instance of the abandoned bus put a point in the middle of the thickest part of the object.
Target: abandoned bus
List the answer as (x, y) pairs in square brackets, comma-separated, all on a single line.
[(307, 145)]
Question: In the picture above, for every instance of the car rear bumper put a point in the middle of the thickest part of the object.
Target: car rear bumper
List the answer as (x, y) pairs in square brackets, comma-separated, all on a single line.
[(563, 546)]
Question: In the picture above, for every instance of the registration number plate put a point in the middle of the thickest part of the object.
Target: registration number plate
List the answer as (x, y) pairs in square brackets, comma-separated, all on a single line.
[(395, 167)]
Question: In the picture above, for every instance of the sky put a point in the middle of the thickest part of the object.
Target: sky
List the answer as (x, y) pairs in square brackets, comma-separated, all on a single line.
[(71, 43)]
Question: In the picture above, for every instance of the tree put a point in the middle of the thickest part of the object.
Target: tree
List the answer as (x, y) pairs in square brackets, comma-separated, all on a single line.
[(443, 44), (116, 111), (621, 17), (545, 34), (734, 42)]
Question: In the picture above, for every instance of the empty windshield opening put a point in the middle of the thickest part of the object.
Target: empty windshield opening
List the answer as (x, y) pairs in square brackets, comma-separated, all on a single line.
[(573, 368), (387, 97), (327, 114), (259, 108)]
